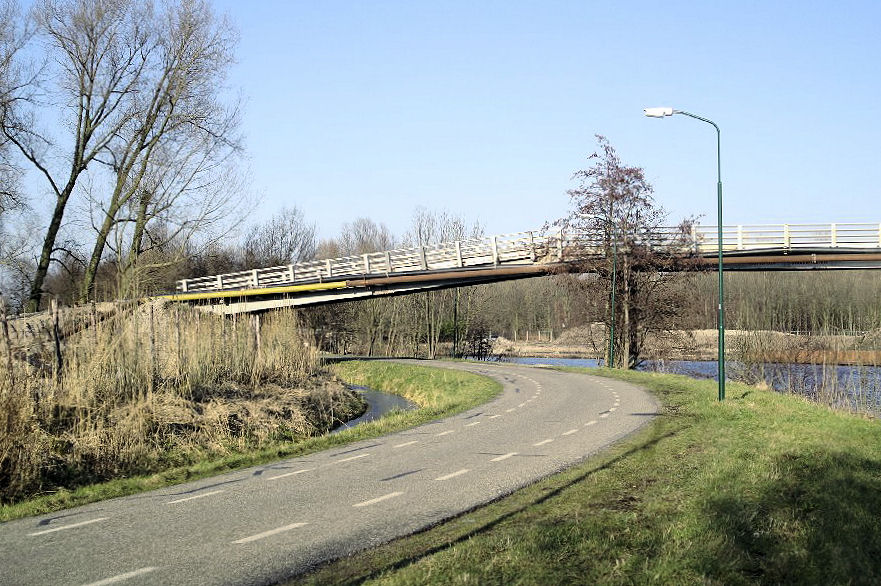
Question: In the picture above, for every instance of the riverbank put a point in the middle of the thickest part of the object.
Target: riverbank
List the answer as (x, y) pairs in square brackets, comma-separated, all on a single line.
[(763, 488), (753, 346), (437, 392)]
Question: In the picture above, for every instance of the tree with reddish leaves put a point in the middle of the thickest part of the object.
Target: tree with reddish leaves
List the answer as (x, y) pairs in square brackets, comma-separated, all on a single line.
[(620, 228)]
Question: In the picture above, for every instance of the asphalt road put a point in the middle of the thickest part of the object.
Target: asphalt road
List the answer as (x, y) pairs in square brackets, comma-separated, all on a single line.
[(261, 525)]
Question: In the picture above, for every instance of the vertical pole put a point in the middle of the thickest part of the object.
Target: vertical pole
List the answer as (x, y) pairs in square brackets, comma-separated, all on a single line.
[(495, 251), (459, 255), (291, 273), (56, 335), (94, 324), (456, 324), (560, 246), (531, 246), (612, 302), (255, 278), (8, 343), (721, 269), (366, 264), (154, 361)]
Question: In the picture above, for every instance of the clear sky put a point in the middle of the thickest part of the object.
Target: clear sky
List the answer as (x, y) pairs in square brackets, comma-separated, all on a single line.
[(485, 108)]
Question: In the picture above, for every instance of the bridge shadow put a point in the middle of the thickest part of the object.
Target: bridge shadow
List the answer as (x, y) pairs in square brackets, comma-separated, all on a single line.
[(406, 560)]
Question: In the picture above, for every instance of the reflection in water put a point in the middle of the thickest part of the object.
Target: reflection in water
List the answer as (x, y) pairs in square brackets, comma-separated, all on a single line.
[(378, 404)]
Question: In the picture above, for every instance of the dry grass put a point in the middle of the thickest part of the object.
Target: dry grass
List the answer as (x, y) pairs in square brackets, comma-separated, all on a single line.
[(155, 386)]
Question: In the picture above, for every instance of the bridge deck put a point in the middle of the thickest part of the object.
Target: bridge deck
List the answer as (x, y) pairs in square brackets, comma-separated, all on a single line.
[(510, 256)]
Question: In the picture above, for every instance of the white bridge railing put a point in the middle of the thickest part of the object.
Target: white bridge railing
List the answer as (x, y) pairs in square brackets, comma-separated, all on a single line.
[(536, 247)]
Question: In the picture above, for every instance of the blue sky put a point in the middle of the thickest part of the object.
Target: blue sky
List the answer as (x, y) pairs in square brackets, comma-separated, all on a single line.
[(485, 109)]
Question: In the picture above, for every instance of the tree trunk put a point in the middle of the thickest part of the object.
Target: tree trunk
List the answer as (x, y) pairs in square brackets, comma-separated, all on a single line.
[(36, 295)]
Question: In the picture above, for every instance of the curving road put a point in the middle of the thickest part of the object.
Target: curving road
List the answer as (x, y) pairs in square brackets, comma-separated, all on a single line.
[(261, 525)]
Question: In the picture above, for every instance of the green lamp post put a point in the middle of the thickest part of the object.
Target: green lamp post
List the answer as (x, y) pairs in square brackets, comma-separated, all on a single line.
[(661, 113)]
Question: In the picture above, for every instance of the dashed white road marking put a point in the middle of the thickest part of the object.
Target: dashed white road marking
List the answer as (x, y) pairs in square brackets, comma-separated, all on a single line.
[(604, 415), (349, 459), (511, 409), (194, 497), (613, 409), (472, 424), (543, 442), (521, 404), (405, 444), (589, 423), (493, 416), (63, 527), (503, 457), (122, 577), (448, 432), (269, 533), (570, 432), (454, 474), (286, 474), (378, 499)]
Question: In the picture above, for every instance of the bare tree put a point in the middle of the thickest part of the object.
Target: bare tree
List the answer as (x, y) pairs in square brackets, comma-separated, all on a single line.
[(174, 115), (100, 49), (285, 238), (14, 83), (614, 202)]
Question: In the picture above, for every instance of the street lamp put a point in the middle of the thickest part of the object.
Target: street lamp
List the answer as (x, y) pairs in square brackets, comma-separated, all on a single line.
[(661, 113)]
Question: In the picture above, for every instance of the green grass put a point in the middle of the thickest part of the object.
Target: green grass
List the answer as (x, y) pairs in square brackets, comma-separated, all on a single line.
[(438, 392), (763, 488)]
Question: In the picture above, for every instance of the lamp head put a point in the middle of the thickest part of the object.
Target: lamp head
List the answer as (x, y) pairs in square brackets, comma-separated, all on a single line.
[(658, 112)]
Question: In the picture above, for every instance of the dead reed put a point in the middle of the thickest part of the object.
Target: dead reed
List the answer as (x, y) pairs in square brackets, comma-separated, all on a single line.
[(156, 385)]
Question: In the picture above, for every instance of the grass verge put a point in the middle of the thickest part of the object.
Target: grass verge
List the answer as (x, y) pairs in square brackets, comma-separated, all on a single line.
[(763, 488), (438, 392)]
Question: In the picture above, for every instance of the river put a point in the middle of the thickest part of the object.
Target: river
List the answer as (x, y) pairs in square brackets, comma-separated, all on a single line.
[(856, 388), (378, 404)]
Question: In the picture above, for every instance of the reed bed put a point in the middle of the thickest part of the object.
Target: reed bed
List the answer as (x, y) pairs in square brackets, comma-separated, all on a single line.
[(154, 386)]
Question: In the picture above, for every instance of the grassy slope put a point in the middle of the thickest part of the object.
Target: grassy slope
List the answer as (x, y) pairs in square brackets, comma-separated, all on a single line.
[(763, 488), (438, 392)]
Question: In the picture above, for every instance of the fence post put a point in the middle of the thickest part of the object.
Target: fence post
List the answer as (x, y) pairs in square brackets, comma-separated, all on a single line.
[(291, 273), (183, 285), (8, 343), (255, 278), (94, 324), (56, 335), (459, 254), (834, 235), (329, 269), (154, 360), (531, 246), (739, 237), (560, 247), (787, 238), (388, 262), (220, 281), (422, 258), (366, 264), (495, 250)]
